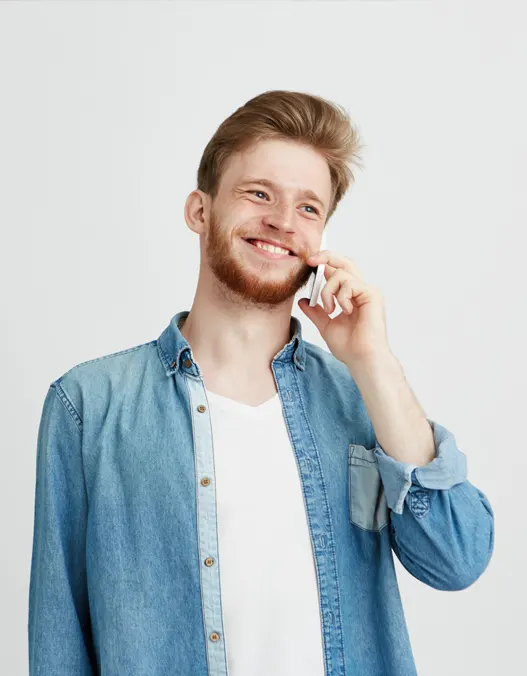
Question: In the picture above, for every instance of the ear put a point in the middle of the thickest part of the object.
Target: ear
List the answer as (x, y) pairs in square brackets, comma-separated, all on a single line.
[(197, 210)]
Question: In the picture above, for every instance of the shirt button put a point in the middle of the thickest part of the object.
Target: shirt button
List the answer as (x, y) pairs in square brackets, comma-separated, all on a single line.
[(205, 481), (214, 636), (187, 363), (202, 408), (209, 562)]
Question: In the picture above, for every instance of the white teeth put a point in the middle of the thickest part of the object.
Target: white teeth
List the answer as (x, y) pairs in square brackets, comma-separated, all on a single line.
[(271, 248)]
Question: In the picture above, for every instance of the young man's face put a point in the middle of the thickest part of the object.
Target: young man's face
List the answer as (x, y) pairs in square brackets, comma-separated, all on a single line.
[(246, 208)]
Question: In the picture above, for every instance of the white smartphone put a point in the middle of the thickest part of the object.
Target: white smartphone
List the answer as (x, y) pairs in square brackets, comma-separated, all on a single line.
[(316, 281)]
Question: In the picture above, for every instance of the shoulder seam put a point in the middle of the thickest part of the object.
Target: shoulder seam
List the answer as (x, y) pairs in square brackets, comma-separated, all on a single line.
[(107, 356), (59, 390)]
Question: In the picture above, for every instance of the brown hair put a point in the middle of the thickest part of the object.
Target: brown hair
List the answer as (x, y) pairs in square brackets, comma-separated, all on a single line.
[(297, 116)]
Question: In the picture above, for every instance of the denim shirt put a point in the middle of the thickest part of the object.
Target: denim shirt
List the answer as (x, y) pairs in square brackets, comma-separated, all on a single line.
[(125, 572)]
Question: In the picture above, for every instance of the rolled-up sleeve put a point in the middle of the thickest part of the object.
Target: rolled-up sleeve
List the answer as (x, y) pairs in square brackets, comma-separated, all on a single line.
[(442, 526), (447, 469)]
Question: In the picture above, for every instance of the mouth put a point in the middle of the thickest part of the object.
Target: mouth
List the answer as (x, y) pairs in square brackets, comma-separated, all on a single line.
[(268, 254)]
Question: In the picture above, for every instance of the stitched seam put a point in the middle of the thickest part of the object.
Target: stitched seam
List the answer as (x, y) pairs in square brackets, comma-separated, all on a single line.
[(59, 390), (352, 458), (107, 356), (331, 546), (371, 530), (162, 354), (61, 393)]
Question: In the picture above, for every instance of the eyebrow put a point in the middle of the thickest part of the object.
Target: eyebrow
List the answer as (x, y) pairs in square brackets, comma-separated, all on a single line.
[(271, 184)]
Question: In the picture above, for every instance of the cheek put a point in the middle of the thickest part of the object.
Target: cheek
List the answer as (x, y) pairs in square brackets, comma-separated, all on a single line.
[(246, 209)]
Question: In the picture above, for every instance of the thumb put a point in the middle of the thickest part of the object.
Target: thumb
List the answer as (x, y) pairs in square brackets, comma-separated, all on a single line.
[(317, 313)]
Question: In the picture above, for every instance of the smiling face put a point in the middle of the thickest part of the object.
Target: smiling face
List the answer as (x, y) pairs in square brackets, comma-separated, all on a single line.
[(278, 190)]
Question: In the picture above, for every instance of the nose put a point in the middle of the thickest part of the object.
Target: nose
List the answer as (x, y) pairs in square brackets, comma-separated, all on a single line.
[(281, 218)]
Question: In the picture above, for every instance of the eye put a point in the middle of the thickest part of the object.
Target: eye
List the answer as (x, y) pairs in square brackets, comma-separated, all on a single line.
[(255, 191), (310, 206)]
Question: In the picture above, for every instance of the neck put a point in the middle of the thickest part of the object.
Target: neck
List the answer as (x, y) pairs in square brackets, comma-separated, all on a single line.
[(228, 334)]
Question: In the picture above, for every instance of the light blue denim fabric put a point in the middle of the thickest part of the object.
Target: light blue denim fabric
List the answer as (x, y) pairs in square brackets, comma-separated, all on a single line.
[(126, 525)]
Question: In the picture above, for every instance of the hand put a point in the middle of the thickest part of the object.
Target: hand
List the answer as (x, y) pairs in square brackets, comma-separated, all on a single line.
[(359, 331)]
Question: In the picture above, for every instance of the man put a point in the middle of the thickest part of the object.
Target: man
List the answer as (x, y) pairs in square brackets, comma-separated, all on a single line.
[(225, 499)]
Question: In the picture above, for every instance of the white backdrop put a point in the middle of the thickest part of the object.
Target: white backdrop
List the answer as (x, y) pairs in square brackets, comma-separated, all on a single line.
[(105, 110)]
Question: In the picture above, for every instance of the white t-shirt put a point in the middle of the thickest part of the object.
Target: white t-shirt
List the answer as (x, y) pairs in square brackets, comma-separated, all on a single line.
[(271, 614)]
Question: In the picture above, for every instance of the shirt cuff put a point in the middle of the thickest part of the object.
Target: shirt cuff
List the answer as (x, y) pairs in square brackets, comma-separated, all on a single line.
[(448, 468)]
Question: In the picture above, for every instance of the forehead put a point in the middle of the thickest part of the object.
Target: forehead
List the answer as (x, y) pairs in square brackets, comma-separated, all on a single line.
[(287, 164)]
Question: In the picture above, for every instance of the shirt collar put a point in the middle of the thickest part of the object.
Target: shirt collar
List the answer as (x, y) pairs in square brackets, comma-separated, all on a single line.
[(176, 354)]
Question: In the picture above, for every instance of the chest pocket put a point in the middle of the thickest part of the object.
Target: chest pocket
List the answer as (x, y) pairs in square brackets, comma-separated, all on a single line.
[(367, 501)]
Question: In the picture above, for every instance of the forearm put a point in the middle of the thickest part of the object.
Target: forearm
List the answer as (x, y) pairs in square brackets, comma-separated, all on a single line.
[(400, 423)]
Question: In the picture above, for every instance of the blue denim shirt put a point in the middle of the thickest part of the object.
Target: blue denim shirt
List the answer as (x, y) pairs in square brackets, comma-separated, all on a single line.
[(126, 525)]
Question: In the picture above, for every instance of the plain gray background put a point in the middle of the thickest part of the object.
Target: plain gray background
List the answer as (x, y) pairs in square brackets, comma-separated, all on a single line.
[(105, 110)]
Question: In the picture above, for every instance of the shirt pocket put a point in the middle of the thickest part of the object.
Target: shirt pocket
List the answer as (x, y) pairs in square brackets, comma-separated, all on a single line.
[(368, 508)]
